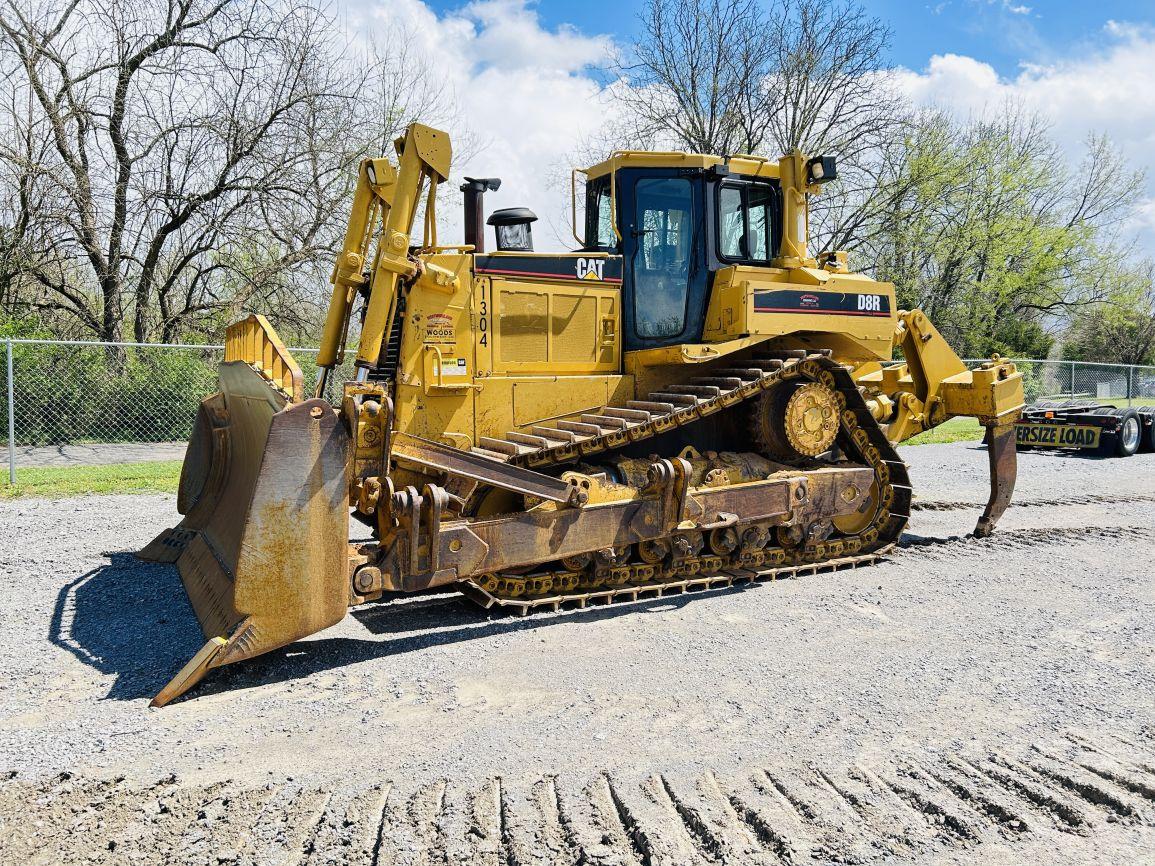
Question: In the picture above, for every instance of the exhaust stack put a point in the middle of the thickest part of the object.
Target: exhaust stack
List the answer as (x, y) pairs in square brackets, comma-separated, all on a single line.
[(474, 189)]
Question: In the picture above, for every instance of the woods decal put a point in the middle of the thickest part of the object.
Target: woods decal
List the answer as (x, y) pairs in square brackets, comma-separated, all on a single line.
[(439, 328)]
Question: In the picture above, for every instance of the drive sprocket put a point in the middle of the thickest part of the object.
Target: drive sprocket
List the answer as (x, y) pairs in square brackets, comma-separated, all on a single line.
[(795, 420)]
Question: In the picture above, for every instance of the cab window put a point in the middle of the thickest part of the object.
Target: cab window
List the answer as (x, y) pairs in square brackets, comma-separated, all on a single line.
[(732, 222), (599, 216), (661, 265), (747, 222)]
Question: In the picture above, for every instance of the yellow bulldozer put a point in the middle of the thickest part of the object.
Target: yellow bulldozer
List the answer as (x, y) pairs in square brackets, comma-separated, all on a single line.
[(689, 400)]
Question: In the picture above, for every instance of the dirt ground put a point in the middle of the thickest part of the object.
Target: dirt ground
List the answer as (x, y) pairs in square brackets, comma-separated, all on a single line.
[(964, 702)]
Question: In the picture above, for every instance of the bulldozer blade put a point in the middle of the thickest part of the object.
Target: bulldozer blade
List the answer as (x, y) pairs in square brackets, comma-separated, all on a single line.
[(263, 546), (1003, 458)]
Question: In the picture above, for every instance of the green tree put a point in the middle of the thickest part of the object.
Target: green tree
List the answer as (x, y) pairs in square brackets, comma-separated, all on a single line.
[(994, 235), (1121, 331)]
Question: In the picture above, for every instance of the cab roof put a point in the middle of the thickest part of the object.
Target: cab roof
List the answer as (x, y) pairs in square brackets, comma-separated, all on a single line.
[(744, 164)]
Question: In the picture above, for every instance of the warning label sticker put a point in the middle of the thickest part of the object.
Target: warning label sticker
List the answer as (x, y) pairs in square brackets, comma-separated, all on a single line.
[(454, 367)]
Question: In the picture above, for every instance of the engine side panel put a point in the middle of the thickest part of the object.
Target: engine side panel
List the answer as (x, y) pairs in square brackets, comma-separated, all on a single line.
[(509, 341), (780, 302)]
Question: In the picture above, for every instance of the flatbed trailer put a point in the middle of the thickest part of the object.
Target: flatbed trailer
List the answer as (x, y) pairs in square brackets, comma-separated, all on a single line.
[(1087, 426)]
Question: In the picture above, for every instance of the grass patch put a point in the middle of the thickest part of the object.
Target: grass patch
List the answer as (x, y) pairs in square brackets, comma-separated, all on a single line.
[(153, 477), (961, 429)]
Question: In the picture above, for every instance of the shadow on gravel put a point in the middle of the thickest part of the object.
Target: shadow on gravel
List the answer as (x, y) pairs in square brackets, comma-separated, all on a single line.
[(413, 625), (128, 619), (131, 620)]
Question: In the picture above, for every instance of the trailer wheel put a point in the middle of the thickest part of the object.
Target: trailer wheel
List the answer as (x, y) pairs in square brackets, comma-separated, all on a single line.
[(1129, 432)]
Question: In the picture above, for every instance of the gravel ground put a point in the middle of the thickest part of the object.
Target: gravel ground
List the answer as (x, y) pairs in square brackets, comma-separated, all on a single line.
[(967, 701)]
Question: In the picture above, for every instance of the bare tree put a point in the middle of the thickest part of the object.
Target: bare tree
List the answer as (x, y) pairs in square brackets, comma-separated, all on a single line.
[(734, 76), (696, 76), (170, 161)]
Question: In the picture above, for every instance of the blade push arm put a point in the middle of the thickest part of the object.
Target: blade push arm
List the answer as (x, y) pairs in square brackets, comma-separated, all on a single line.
[(388, 196)]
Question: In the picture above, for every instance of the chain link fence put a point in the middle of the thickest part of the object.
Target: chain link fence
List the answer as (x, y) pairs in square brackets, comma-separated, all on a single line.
[(61, 394), (1107, 383)]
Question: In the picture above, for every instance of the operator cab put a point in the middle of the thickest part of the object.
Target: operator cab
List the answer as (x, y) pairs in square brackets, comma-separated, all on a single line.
[(674, 227), (677, 226)]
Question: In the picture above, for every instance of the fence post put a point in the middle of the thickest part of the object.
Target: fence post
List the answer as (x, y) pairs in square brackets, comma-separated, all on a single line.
[(1130, 373), (11, 420), (1071, 391)]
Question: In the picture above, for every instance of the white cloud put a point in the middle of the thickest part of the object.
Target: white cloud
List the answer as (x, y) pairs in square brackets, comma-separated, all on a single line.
[(526, 92), (1110, 91), (530, 96)]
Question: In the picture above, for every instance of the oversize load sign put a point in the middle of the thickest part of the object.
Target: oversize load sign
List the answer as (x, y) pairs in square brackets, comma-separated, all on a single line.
[(1057, 435)]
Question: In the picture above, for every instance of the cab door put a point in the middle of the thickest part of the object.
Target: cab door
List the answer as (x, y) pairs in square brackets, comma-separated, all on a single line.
[(662, 223)]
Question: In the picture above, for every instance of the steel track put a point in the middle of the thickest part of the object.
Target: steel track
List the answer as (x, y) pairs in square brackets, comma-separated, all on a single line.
[(860, 438)]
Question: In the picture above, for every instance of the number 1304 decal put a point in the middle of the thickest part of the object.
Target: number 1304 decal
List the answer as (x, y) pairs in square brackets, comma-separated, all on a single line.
[(483, 317)]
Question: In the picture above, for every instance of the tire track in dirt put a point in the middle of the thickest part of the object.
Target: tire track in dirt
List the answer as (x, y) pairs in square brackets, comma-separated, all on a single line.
[(951, 546), (1052, 793), (1056, 502)]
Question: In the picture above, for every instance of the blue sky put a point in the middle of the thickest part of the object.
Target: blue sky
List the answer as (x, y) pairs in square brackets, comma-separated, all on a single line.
[(524, 85), (988, 30)]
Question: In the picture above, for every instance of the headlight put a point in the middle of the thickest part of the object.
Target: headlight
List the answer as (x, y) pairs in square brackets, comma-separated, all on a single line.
[(821, 169)]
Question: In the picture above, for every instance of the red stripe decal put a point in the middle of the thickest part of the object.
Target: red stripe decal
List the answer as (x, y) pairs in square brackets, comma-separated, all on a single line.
[(822, 312), (537, 274)]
